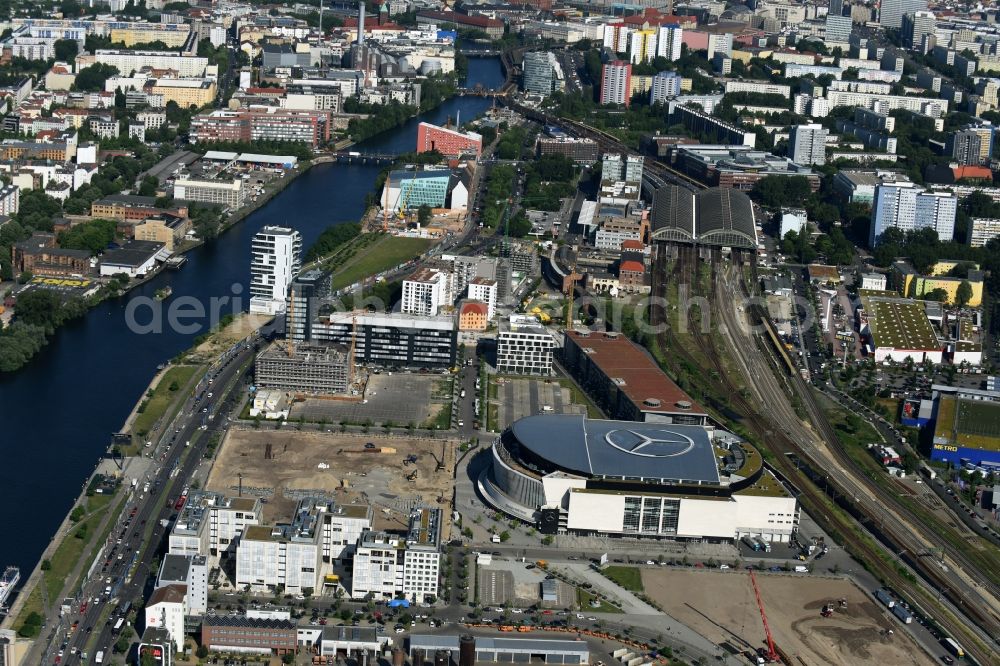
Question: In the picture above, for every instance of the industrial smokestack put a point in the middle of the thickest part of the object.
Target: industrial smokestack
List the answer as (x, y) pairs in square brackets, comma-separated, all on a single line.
[(361, 23), (467, 651)]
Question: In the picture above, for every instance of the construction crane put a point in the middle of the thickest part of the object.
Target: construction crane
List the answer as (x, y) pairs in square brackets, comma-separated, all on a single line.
[(405, 204), (771, 653)]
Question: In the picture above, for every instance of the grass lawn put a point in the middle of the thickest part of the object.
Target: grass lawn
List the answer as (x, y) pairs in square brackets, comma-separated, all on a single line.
[(157, 405), (71, 549), (441, 420), (385, 253), (627, 577), (583, 599)]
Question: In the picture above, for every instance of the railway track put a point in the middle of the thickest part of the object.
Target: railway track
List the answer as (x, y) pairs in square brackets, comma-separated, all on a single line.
[(814, 500)]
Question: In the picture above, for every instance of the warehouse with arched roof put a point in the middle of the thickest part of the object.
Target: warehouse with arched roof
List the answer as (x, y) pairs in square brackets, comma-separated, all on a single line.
[(717, 216)]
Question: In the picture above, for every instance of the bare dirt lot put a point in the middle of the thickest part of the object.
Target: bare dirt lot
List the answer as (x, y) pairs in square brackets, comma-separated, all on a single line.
[(349, 471), (219, 341), (721, 606)]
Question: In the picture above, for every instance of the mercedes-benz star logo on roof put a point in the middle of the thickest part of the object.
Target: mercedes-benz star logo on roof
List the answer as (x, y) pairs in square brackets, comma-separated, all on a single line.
[(651, 444)]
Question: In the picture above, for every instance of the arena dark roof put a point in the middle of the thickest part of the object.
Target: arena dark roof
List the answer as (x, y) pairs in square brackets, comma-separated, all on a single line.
[(620, 449), (717, 216)]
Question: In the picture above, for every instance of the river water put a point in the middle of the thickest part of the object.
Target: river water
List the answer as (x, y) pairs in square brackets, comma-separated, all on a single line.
[(58, 412)]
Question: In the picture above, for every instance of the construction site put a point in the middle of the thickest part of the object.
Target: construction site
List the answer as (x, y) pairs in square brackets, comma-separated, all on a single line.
[(391, 474), (807, 621)]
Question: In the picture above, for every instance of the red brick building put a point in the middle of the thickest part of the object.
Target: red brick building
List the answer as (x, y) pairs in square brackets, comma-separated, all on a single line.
[(631, 275), (39, 256), (448, 142), (248, 635)]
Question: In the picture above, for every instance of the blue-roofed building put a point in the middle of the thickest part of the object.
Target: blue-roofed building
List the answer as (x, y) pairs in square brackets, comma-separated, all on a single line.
[(570, 474)]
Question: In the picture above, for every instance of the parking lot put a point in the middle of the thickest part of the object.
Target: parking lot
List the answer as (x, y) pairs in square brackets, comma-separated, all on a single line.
[(512, 582), (517, 398), (401, 399)]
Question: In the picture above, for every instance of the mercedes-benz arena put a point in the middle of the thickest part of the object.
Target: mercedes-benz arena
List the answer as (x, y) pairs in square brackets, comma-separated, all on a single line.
[(566, 473)]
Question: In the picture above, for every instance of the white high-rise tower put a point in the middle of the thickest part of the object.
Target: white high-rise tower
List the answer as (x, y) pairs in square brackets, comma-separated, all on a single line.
[(276, 260)]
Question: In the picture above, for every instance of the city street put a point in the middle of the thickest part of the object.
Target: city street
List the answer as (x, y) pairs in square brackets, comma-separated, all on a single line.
[(136, 542)]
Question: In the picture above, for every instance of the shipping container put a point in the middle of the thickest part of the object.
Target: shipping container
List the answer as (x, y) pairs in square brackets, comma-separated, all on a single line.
[(885, 598), (903, 614)]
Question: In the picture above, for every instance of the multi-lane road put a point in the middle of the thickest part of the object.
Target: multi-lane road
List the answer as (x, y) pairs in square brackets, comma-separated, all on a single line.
[(136, 538)]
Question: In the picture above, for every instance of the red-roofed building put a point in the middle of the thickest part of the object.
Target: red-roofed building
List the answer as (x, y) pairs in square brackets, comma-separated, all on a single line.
[(622, 378), (632, 276), (472, 316), (492, 27), (654, 18), (635, 246), (274, 93), (448, 142)]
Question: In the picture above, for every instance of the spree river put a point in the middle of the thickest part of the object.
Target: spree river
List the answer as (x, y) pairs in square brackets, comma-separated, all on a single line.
[(58, 412)]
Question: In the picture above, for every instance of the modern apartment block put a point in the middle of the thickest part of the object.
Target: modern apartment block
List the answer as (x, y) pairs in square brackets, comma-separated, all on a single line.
[(229, 194), (616, 83), (293, 554), (308, 126), (485, 290), (807, 144), (127, 61), (972, 144), (388, 566), (915, 27), (276, 258), (191, 571), (543, 74), (211, 523), (907, 207), (465, 269), (524, 347), (666, 85), (392, 340), (425, 291), (626, 168), (669, 41), (983, 230), (582, 151), (891, 12)]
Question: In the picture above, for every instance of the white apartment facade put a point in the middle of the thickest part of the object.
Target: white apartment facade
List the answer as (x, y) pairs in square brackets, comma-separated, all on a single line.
[(425, 292), (907, 207), (983, 230), (524, 347), (808, 144), (485, 290), (276, 258), (165, 609), (342, 527), (230, 194), (269, 557), (668, 42), (211, 523), (616, 79), (386, 566), (132, 61)]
